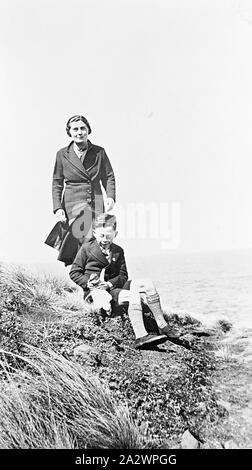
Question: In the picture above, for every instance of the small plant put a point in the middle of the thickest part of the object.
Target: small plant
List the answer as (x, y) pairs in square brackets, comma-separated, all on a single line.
[(224, 352)]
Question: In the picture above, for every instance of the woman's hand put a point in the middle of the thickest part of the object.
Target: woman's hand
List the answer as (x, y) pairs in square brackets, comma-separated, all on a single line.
[(109, 204), (60, 215)]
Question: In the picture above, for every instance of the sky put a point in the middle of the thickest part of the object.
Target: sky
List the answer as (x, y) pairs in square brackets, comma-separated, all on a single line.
[(166, 87)]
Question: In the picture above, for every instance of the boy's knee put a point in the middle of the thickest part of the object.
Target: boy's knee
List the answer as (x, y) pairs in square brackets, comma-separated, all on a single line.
[(145, 285), (142, 283)]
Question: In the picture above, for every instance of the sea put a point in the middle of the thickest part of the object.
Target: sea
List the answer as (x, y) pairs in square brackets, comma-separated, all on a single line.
[(215, 284)]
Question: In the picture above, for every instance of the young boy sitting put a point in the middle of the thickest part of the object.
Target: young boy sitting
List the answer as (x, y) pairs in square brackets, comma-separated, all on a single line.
[(100, 264)]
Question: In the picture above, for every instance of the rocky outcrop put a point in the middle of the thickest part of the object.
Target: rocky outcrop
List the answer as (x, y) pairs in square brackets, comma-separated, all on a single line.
[(188, 441)]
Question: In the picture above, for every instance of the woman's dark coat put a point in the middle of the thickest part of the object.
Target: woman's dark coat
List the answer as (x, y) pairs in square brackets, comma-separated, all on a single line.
[(74, 188)]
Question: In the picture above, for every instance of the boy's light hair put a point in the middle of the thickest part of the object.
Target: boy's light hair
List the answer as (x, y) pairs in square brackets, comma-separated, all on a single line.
[(105, 220)]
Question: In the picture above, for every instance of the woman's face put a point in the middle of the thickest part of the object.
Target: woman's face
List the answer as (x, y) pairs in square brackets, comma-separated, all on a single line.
[(79, 132)]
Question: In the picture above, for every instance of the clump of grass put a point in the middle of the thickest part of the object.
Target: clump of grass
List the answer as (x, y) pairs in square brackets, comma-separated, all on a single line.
[(224, 352), (11, 331), (27, 288), (72, 302), (181, 319), (41, 310), (24, 290), (225, 325), (48, 402)]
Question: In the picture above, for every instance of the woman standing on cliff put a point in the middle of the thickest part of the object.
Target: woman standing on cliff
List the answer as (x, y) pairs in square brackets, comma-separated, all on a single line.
[(79, 171)]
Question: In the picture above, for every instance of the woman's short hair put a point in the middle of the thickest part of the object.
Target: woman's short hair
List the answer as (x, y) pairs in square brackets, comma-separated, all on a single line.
[(105, 220), (76, 118)]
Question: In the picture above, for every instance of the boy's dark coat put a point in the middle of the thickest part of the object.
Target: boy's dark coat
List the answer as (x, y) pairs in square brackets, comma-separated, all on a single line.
[(90, 259)]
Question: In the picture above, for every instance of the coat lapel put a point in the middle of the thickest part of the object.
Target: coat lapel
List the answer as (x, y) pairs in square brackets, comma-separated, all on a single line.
[(114, 253), (74, 160), (94, 164), (97, 253)]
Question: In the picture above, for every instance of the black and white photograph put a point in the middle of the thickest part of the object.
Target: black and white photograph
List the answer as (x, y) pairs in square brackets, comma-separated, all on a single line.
[(126, 230)]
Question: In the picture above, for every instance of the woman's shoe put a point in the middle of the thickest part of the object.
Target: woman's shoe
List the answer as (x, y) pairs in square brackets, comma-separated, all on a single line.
[(147, 341)]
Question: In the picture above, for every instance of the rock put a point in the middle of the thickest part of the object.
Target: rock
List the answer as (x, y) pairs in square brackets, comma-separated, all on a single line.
[(102, 359), (202, 332), (144, 427), (224, 404), (188, 441), (230, 445), (202, 408), (188, 336), (225, 325), (84, 350), (247, 414), (212, 444)]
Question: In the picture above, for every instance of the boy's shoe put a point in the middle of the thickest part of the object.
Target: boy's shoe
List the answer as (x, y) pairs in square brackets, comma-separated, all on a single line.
[(169, 332), (174, 336), (149, 340)]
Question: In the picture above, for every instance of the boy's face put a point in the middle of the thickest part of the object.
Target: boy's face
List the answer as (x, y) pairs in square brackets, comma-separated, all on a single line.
[(104, 236)]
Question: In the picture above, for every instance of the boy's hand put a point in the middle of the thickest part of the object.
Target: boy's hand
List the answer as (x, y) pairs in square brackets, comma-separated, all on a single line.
[(93, 281), (91, 285), (102, 285), (94, 285)]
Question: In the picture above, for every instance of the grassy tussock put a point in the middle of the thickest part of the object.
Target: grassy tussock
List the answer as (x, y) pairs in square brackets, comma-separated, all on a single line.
[(48, 402), (32, 290), (224, 352)]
